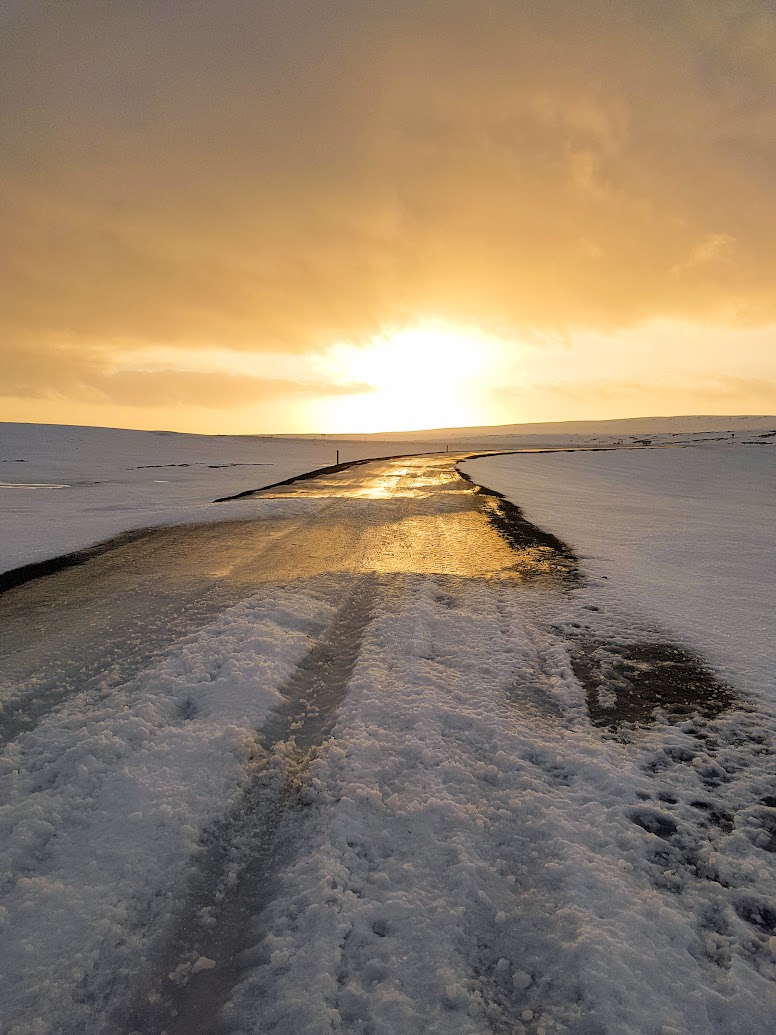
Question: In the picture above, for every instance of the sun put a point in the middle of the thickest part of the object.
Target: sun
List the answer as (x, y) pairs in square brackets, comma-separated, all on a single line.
[(425, 376)]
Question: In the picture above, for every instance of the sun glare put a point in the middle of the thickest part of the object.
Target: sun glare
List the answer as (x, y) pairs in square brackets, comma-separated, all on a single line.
[(424, 376)]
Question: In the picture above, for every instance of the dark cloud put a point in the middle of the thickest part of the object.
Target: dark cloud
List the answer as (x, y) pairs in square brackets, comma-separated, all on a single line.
[(271, 176)]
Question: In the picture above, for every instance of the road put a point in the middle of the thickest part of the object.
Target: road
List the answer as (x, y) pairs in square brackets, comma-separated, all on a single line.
[(115, 612), (324, 770)]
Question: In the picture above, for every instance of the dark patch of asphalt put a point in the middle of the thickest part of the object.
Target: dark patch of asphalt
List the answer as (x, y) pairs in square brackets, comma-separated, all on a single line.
[(624, 684), (632, 683)]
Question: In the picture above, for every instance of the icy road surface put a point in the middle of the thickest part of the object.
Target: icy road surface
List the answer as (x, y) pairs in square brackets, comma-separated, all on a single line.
[(381, 761)]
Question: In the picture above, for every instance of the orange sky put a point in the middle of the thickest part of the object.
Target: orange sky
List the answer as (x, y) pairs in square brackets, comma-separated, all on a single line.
[(248, 216)]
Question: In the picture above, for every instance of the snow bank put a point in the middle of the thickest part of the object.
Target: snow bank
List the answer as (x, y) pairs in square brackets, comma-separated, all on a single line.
[(684, 537)]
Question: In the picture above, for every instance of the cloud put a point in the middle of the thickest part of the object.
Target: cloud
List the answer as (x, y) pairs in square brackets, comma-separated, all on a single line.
[(604, 397), (213, 390), (712, 247), (290, 175), (84, 376)]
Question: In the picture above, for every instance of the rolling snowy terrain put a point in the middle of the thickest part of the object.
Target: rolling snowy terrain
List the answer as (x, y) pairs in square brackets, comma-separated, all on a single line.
[(621, 431), (375, 754)]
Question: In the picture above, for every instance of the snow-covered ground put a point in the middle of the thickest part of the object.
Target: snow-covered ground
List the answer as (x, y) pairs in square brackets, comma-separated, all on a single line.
[(622, 431), (378, 798), (685, 537), (478, 859), (467, 853)]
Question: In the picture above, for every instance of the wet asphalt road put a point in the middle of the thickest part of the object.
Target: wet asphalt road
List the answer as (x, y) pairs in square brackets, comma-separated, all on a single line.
[(102, 621)]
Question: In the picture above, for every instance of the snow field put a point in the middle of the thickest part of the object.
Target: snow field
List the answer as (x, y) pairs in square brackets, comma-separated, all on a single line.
[(106, 800), (476, 857), (472, 854)]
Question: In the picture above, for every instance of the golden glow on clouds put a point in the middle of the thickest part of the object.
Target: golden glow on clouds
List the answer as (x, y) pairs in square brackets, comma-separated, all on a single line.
[(159, 358), (196, 203)]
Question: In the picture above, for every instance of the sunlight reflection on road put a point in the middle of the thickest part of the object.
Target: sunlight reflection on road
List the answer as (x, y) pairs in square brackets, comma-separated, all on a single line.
[(415, 478)]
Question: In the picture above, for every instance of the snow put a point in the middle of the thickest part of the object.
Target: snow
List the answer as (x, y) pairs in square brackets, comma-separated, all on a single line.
[(109, 795), (476, 861), (685, 538), (591, 432), (470, 855), (462, 849)]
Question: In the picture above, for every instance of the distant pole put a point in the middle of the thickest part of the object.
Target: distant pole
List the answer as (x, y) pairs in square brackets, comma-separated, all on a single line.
[(338, 458)]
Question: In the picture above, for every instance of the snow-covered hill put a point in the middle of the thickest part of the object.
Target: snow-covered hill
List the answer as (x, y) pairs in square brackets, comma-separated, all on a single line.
[(596, 431)]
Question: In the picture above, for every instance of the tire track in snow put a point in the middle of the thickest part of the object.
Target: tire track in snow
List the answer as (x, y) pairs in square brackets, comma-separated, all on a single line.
[(529, 692), (505, 976), (199, 958)]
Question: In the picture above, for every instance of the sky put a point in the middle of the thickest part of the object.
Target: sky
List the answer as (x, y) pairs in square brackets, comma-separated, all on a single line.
[(362, 215)]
